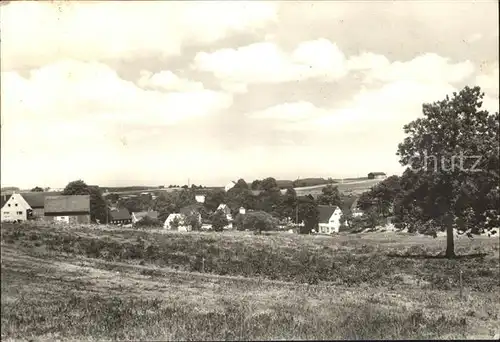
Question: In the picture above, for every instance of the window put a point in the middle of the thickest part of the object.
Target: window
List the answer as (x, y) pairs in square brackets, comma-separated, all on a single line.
[(9, 205), (19, 213), (16, 204), (6, 213)]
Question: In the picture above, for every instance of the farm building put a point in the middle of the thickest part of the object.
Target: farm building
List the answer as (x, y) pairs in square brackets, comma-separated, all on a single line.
[(179, 218), (377, 175), (15, 208), (226, 210), (137, 216), (68, 209), (200, 198), (355, 211), (329, 219), (36, 201), (120, 216)]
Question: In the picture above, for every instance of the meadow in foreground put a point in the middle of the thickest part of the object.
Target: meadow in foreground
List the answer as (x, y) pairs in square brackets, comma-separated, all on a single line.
[(83, 283)]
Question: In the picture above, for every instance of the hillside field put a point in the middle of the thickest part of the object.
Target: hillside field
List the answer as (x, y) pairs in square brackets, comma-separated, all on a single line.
[(97, 283), (352, 187)]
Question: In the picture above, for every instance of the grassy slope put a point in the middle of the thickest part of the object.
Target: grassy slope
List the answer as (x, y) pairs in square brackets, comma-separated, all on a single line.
[(48, 293), (355, 187)]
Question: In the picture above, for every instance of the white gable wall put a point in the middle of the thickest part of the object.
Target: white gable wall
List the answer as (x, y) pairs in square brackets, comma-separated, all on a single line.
[(229, 186), (15, 209)]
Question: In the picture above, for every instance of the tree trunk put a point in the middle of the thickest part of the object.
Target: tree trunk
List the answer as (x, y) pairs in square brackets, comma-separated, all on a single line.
[(450, 242)]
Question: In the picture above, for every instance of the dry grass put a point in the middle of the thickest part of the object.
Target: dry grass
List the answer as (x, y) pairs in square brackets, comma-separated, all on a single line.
[(52, 289)]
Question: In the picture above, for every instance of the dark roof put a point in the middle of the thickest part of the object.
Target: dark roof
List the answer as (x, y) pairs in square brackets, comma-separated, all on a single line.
[(67, 204), (377, 173), (4, 200), (325, 212), (141, 214), (37, 199), (354, 206), (348, 203), (190, 208), (121, 214)]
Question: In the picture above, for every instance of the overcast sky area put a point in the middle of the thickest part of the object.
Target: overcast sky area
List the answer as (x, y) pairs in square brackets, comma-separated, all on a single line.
[(150, 93)]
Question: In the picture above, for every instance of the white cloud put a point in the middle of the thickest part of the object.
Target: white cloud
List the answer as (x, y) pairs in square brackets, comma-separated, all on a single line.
[(287, 112), (386, 108), (71, 89), (72, 110), (265, 62), (167, 80), (427, 67), (489, 82), (38, 33)]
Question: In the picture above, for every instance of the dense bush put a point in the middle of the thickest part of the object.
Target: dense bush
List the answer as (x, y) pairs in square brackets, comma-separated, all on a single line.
[(259, 221), (219, 221), (148, 222)]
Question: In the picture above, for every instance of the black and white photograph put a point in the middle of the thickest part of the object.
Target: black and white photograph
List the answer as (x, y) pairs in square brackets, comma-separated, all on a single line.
[(249, 170)]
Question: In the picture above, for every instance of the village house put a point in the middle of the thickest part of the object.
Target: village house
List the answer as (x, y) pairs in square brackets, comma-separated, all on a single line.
[(137, 216), (68, 209), (377, 175), (229, 186), (329, 219), (120, 216), (179, 218), (15, 208), (226, 210), (355, 211)]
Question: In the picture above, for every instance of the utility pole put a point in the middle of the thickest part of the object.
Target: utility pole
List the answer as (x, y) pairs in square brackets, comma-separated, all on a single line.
[(297, 208)]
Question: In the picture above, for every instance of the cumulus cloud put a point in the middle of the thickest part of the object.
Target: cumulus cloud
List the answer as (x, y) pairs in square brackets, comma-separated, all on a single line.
[(288, 112), (70, 109), (70, 89), (265, 62), (35, 33), (322, 59), (489, 83), (427, 67), (388, 107), (167, 80)]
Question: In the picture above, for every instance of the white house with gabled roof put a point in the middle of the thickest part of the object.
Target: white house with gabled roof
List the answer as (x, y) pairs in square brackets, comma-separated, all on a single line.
[(15, 209)]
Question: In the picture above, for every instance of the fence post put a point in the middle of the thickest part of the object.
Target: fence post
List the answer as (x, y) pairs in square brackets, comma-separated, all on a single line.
[(203, 265), (461, 286)]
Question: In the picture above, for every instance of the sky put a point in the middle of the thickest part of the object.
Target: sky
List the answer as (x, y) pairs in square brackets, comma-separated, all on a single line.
[(153, 93)]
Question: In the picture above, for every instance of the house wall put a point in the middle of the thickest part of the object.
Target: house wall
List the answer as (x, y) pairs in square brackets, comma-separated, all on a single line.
[(229, 186), (38, 213), (121, 221), (73, 219)]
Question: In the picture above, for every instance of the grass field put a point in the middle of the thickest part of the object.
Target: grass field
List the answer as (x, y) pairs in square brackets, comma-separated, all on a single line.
[(354, 187), (83, 283)]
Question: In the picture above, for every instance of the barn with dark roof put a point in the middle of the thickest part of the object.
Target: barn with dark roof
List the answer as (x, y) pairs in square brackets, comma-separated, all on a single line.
[(68, 209)]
